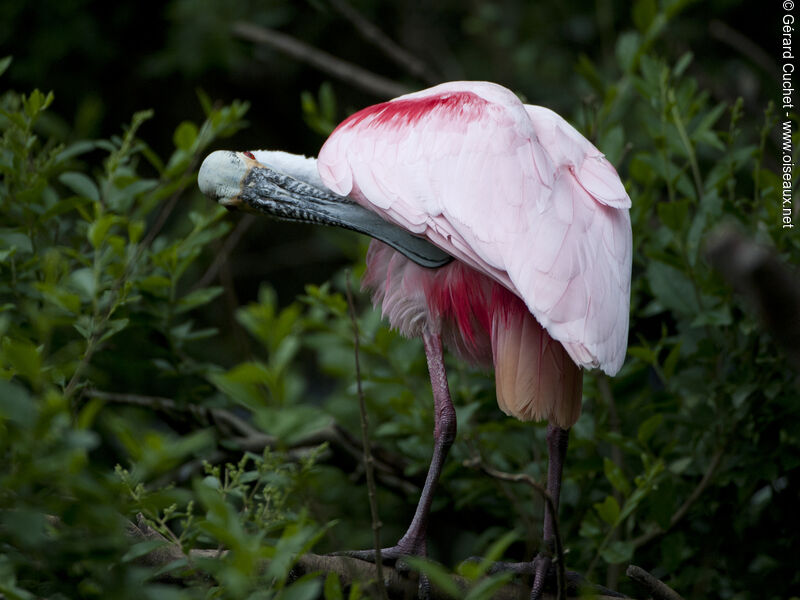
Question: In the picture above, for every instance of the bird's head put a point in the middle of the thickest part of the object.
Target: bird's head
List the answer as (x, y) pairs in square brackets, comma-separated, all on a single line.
[(259, 182)]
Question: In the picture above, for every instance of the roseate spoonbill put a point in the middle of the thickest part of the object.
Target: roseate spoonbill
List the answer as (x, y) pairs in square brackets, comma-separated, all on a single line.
[(534, 216)]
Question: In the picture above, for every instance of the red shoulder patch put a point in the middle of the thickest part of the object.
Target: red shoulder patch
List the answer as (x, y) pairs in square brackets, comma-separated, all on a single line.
[(462, 106)]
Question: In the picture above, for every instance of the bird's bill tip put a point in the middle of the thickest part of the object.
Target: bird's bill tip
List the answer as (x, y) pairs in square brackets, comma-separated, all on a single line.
[(222, 175)]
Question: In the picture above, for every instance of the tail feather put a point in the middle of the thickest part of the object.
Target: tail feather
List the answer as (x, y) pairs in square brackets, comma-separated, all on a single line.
[(535, 377)]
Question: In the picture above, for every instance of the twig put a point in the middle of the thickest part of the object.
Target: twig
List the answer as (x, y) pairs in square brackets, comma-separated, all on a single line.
[(348, 569), (527, 479), (658, 589), (368, 466), (384, 43), (604, 386), (348, 72), (390, 467), (741, 43), (684, 508), (223, 419), (161, 220), (230, 243)]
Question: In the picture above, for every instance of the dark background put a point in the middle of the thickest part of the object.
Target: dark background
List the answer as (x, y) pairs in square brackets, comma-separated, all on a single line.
[(106, 60)]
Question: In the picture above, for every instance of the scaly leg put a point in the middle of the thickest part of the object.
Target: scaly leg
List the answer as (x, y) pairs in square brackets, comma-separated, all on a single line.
[(444, 433), (557, 439)]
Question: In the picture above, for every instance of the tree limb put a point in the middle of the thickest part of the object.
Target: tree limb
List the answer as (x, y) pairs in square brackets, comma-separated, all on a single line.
[(348, 72), (368, 462), (349, 570), (658, 589), (525, 478), (222, 255), (684, 508), (389, 467), (372, 34)]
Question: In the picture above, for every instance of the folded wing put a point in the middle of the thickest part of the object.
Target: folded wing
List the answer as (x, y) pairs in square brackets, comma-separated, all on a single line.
[(512, 190)]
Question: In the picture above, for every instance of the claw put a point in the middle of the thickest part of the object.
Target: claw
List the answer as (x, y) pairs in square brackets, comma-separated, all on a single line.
[(394, 557)]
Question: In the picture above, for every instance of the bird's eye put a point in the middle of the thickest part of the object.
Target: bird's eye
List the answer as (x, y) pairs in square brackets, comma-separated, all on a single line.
[(249, 155)]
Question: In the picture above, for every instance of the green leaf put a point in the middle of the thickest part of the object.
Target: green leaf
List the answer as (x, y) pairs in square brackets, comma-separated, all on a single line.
[(292, 423), (617, 552), (674, 215), (305, 588), (142, 548), (245, 383), (198, 298), (680, 465), (16, 404), (185, 136), (648, 428), (644, 11), (81, 184), (327, 101), (15, 239), (590, 528), (627, 48), (485, 589), (179, 563), (355, 591), (439, 576), (683, 62), (99, 229), (114, 326), (333, 587), (616, 477), (5, 62), (644, 354), (608, 510), (633, 501), (24, 357), (472, 570), (672, 360), (672, 288), (612, 143), (83, 282), (36, 102), (75, 149)]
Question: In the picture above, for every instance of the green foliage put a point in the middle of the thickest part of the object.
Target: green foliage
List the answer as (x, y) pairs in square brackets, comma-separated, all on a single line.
[(89, 274), (124, 393), (320, 113)]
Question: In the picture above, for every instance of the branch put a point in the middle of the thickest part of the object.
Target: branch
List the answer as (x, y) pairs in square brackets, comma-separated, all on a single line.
[(658, 589), (684, 508), (741, 43), (525, 478), (607, 394), (327, 63), (349, 570), (368, 463), (389, 467), (376, 37), (227, 247)]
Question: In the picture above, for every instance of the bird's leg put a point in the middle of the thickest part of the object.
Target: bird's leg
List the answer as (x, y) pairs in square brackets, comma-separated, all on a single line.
[(557, 439), (413, 541)]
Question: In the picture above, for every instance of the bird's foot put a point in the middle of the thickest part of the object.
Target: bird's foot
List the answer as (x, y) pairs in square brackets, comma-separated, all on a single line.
[(392, 556), (395, 557), (548, 580), (517, 568)]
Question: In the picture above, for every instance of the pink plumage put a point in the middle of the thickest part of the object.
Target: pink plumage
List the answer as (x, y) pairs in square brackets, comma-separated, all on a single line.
[(535, 215)]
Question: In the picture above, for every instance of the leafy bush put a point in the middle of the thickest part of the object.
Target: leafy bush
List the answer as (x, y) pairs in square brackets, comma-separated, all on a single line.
[(96, 311), (120, 401)]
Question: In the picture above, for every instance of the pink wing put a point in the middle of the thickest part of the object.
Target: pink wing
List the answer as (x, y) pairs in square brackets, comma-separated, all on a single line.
[(513, 191)]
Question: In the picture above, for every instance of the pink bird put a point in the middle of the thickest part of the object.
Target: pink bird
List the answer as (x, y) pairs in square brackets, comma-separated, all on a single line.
[(534, 216)]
